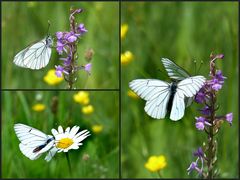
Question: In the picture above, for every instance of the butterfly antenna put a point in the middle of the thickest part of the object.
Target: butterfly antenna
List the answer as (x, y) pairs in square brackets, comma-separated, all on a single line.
[(200, 67), (195, 66), (49, 23)]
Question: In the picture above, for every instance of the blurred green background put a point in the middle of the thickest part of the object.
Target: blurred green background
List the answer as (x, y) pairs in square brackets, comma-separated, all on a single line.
[(27, 22), (182, 32), (101, 149)]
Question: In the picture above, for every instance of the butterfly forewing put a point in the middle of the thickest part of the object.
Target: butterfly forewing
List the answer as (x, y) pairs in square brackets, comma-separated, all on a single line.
[(190, 86), (35, 56), (174, 71), (33, 142), (28, 152)]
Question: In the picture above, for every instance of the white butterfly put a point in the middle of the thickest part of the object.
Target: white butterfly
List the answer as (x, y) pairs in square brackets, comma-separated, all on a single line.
[(33, 143), (162, 96), (35, 56)]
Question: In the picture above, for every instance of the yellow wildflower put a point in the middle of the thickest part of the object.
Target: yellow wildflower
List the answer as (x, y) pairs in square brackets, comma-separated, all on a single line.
[(87, 109), (156, 163), (81, 97), (124, 30), (38, 107), (132, 94), (51, 78), (126, 58), (97, 128)]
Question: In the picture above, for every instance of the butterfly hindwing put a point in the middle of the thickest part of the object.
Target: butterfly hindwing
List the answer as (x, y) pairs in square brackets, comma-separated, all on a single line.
[(32, 141), (185, 88), (155, 92)]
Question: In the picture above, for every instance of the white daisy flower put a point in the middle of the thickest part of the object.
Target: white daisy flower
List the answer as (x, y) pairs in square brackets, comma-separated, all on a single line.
[(64, 141), (70, 139)]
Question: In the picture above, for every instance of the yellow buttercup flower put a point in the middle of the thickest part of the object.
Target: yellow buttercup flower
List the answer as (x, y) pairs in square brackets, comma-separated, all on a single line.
[(124, 30), (81, 97), (155, 163), (38, 107), (132, 94), (51, 78), (87, 109), (97, 128), (126, 58)]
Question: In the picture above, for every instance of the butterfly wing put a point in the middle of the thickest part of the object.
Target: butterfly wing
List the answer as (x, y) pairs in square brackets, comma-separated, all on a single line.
[(155, 92), (28, 152), (35, 56), (51, 153), (32, 139), (174, 71), (185, 88)]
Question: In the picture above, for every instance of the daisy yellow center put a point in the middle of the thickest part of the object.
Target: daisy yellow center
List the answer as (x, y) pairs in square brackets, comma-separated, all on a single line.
[(64, 143)]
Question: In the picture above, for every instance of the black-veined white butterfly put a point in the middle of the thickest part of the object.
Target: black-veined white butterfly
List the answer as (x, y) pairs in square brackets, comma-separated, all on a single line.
[(33, 143), (162, 96), (35, 56)]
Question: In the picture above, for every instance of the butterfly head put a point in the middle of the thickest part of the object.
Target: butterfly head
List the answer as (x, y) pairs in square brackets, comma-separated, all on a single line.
[(49, 41)]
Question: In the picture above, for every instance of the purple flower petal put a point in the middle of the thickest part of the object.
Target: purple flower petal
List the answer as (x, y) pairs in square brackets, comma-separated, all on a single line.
[(200, 125), (206, 111), (192, 167), (72, 38), (199, 152), (59, 35), (216, 87), (229, 118), (200, 97), (220, 56), (59, 47), (59, 71), (88, 67), (200, 119), (81, 29)]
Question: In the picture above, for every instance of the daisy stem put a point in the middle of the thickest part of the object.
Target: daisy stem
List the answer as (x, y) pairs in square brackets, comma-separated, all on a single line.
[(69, 164)]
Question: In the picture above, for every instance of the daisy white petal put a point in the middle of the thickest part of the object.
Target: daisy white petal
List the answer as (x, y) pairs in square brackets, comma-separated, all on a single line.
[(54, 132), (82, 137), (73, 131), (67, 130), (81, 132), (60, 129), (74, 146), (65, 150)]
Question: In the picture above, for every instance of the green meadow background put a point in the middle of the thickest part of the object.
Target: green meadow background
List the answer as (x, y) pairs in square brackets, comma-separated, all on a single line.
[(102, 148), (27, 22), (182, 32)]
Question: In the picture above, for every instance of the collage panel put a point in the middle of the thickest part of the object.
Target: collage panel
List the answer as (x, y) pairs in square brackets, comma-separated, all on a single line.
[(52, 134), (60, 45), (179, 74)]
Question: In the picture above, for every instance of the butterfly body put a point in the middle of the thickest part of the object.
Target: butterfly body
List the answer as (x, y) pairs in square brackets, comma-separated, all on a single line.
[(163, 97), (44, 147), (173, 87)]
